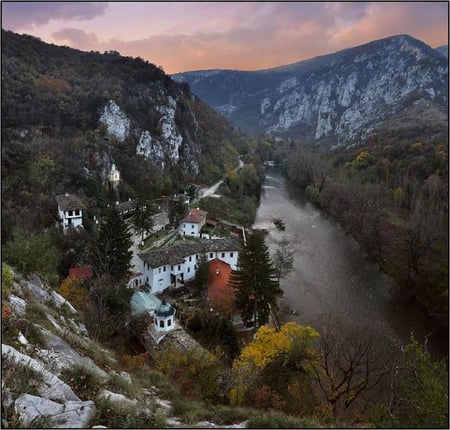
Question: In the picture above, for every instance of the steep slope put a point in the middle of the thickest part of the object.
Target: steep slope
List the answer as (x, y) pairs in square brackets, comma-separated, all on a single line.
[(337, 98), (63, 91), (443, 50)]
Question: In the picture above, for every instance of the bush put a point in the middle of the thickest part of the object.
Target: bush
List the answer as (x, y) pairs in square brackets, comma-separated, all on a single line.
[(85, 383), (7, 281)]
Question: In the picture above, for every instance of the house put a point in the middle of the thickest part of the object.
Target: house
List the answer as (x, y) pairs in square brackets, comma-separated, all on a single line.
[(192, 223), (173, 265), (70, 211), (81, 272), (220, 295)]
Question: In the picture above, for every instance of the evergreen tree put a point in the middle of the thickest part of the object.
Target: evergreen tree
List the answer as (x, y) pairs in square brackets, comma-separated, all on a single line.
[(255, 280), (143, 216), (111, 254), (201, 276)]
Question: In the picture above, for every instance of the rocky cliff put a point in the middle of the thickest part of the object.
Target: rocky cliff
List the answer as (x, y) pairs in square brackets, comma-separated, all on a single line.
[(336, 98)]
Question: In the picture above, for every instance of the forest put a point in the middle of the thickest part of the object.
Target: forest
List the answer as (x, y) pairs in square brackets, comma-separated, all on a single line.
[(391, 194)]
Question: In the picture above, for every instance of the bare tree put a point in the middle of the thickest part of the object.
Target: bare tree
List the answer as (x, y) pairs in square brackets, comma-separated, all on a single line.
[(283, 259), (347, 369)]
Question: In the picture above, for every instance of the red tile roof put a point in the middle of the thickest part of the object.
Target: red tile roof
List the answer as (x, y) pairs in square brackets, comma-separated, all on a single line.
[(219, 273), (221, 296), (195, 216), (80, 272)]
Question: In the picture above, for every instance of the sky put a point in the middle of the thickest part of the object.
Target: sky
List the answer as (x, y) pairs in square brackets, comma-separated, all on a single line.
[(184, 36)]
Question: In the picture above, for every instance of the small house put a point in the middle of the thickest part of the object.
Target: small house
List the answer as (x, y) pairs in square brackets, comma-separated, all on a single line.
[(164, 317), (193, 222), (70, 211), (114, 176)]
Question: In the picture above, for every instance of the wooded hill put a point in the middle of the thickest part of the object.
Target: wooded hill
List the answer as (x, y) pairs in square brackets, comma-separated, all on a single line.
[(53, 142)]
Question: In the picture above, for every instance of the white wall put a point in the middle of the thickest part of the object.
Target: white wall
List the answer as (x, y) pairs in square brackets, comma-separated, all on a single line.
[(189, 229), (76, 220)]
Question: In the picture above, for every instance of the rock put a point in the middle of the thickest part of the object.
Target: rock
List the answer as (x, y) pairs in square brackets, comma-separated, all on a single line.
[(115, 120), (52, 387), (17, 304), (35, 287), (71, 414), (60, 300), (116, 398)]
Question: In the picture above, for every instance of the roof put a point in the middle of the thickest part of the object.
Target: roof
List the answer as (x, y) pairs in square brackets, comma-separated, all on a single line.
[(176, 254), (69, 202), (80, 272), (219, 273), (143, 302), (164, 310), (195, 216)]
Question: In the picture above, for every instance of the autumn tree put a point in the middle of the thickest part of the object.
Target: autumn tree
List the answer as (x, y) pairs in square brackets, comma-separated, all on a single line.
[(255, 281), (74, 292), (110, 253), (290, 348)]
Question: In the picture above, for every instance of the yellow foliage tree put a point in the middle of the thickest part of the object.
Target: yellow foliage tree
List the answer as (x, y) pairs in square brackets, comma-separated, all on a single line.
[(74, 292), (268, 345)]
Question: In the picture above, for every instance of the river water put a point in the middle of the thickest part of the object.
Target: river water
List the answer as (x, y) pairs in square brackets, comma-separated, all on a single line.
[(334, 279)]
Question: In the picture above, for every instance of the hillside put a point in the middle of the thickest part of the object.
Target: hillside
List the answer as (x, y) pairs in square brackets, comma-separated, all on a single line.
[(68, 115), (338, 98)]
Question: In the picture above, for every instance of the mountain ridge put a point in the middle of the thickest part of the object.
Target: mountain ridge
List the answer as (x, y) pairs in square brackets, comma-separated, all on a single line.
[(331, 98)]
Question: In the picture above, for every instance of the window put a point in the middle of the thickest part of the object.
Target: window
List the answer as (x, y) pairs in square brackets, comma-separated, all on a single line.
[(169, 323), (77, 213), (179, 267), (211, 255), (159, 270), (196, 257), (223, 254), (190, 258), (70, 213), (192, 226), (164, 268), (161, 323), (231, 254), (189, 269)]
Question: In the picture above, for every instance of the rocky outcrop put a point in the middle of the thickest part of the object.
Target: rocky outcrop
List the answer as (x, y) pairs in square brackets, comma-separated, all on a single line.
[(336, 98), (116, 122)]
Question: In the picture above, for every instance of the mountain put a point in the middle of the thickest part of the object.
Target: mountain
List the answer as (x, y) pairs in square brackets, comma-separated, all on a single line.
[(69, 115), (442, 50), (336, 98), (63, 91)]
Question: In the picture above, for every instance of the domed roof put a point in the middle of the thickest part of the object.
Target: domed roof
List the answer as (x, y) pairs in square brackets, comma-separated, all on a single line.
[(164, 310)]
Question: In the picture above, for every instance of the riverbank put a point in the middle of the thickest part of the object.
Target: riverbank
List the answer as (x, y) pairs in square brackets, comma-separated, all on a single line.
[(334, 278)]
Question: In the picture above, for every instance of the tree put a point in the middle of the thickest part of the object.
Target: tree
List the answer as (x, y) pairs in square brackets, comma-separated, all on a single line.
[(255, 281), (419, 392), (283, 259), (143, 216), (270, 347), (346, 369), (111, 254), (201, 276)]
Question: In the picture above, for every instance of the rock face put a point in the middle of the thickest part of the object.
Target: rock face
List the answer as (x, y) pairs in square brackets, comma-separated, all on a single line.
[(336, 98), (115, 120), (167, 146)]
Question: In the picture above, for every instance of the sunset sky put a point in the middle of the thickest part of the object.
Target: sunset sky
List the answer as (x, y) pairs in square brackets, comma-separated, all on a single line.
[(182, 36)]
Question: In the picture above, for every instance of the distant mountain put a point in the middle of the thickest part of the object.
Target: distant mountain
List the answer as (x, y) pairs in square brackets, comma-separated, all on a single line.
[(442, 50), (336, 98)]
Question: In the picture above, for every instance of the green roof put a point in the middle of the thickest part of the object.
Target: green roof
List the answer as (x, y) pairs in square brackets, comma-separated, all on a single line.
[(143, 302)]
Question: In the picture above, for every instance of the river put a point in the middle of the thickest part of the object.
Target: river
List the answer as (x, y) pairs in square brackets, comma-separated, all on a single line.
[(334, 279)]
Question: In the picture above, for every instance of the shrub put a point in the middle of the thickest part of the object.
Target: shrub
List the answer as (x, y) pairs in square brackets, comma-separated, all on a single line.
[(85, 382), (119, 384), (7, 281)]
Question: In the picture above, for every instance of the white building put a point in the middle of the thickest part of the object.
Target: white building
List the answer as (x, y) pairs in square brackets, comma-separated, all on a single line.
[(70, 211), (173, 265), (114, 176), (192, 223), (164, 316)]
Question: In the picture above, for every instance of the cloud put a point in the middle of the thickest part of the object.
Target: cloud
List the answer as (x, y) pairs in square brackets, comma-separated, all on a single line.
[(25, 15), (78, 39)]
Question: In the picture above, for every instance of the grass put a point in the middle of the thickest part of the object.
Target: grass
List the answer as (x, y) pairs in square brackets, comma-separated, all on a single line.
[(84, 382), (119, 384), (20, 378), (114, 415), (146, 378)]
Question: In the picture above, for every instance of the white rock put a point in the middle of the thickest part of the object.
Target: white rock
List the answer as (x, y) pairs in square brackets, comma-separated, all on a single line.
[(60, 300), (116, 398), (52, 387), (35, 287), (71, 414), (17, 304), (115, 120)]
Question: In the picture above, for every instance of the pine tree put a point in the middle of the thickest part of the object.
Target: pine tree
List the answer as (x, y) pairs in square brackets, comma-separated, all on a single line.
[(255, 281), (143, 216), (111, 254)]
